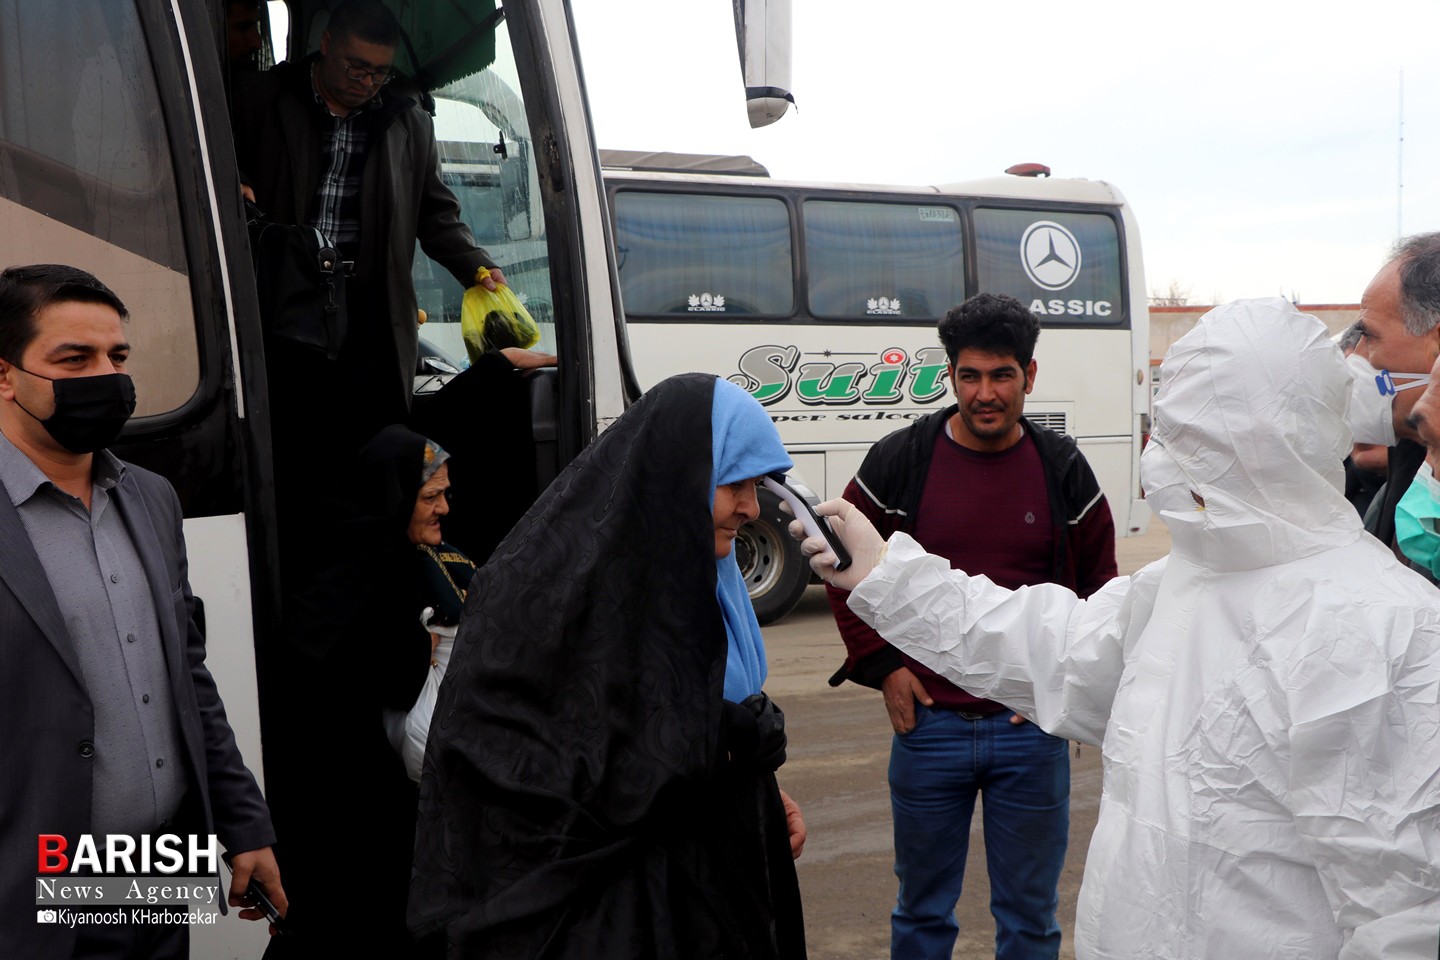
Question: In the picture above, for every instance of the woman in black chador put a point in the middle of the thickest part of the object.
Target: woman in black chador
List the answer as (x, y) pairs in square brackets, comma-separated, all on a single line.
[(599, 781), (357, 647)]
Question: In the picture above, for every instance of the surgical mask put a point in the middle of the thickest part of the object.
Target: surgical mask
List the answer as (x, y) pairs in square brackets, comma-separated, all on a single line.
[(1372, 400), (1415, 520), (89, 411), (1167, 487)]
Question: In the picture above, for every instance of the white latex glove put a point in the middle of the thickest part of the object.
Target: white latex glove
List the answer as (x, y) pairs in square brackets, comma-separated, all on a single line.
[(858, 534)]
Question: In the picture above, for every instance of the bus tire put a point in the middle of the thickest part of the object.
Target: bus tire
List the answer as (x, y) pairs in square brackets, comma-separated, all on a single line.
[(774, 570)]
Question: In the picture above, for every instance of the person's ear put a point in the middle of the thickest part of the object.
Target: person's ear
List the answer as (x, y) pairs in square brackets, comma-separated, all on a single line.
[(1030, 369), (7, 388), (325, 44)]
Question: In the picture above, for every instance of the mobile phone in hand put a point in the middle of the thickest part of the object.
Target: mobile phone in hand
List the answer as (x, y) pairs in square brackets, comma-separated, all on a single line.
[(257, 895)]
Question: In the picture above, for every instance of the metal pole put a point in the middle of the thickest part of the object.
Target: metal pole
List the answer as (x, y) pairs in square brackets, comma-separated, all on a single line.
[(1400, 167)]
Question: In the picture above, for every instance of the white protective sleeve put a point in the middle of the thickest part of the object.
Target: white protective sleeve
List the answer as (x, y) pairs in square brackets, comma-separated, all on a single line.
[(1042, 651)]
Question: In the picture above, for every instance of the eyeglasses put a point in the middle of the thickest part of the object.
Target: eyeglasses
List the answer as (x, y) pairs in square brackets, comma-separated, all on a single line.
[(360, 72)]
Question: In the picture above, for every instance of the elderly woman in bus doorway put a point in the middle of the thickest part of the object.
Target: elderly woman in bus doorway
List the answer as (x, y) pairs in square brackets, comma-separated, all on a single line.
[(385, 585)]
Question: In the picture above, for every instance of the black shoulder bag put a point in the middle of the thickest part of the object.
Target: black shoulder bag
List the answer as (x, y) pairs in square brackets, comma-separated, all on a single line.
[(300, 280)]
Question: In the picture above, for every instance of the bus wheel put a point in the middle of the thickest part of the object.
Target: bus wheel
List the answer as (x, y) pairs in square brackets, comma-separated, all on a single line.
[(770, 561)]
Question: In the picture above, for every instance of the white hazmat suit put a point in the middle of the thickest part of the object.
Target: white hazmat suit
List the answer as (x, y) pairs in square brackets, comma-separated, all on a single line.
[(1267, 698)]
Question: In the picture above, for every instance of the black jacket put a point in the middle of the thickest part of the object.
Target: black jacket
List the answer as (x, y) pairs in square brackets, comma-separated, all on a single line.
[(1406, 456), (277, 146), (892, 479)]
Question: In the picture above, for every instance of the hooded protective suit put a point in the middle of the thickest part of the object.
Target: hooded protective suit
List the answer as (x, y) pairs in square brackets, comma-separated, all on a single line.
[(1267, 697)]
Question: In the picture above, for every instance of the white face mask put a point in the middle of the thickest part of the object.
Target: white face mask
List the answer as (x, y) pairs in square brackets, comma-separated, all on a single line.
[(1372, 399), (1167, 488)]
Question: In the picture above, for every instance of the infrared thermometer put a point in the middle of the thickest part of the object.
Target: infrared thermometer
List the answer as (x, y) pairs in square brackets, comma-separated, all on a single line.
[(815, 525)]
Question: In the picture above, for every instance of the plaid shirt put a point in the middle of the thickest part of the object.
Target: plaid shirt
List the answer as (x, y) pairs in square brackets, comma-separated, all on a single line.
[(336, 213)]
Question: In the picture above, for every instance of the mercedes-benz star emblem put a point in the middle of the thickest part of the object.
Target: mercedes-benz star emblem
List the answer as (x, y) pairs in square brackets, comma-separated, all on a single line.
[(1050, 255)]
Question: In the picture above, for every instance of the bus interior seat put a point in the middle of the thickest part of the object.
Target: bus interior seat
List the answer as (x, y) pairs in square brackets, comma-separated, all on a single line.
[(837, 296), (55, 189), (66, 194), (845, 297), (545, 424)]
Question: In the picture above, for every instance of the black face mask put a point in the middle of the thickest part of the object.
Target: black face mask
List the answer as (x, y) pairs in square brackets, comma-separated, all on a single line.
[(89, 411)]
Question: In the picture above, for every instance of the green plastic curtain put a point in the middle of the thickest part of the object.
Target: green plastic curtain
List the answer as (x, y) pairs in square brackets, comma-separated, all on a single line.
[(450, 39)]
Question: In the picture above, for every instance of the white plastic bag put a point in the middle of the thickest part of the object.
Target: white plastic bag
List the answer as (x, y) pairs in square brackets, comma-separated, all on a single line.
[(409, 731)]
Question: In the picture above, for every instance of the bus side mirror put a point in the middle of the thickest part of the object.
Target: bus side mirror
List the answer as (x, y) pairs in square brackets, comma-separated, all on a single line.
[(762, 29)]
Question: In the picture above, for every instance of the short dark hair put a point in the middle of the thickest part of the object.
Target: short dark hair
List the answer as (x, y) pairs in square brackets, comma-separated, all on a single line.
[(993, 323), (1419, 258), (368, 20), (25, 291)]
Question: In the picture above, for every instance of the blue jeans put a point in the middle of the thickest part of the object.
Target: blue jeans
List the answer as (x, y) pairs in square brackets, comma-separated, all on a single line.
[(936, 771)]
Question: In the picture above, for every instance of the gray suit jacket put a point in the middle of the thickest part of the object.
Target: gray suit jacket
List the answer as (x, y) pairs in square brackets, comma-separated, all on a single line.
[(48, 724)]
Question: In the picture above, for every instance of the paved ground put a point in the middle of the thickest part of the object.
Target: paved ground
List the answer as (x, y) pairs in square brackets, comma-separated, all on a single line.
[(839, 750)]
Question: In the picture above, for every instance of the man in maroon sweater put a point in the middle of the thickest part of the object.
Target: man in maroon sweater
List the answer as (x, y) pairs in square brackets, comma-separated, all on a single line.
[(978, 484)]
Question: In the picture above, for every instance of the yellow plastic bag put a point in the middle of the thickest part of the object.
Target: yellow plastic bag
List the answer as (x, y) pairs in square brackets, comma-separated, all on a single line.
[(494, 319)]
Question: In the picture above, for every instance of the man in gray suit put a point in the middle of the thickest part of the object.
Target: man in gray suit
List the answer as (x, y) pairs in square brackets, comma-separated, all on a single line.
[(112, 723)]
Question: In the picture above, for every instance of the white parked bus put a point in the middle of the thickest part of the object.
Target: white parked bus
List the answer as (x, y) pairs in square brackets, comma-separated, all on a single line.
[(116, 155), (822, 301)]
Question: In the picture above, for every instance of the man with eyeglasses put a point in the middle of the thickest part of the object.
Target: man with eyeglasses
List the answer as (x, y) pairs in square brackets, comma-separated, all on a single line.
[(330, 142)]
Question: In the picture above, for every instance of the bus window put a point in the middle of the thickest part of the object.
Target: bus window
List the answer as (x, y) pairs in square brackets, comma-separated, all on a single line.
[(703, 257), (487, 159), (874, 261), (86, 178), (1064, 266), (279, 15)]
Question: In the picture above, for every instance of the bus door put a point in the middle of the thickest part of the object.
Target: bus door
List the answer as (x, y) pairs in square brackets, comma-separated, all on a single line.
[(112, 159), (115, 158)]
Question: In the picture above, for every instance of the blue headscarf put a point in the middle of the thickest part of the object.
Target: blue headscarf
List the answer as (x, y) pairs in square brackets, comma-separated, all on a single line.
[(744, 445)]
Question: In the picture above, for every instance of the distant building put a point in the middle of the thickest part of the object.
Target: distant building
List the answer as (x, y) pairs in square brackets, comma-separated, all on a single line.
[(1168, 324)]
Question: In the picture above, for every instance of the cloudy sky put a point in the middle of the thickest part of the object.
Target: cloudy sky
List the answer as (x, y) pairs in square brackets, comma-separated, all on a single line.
[(1256, 141)]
